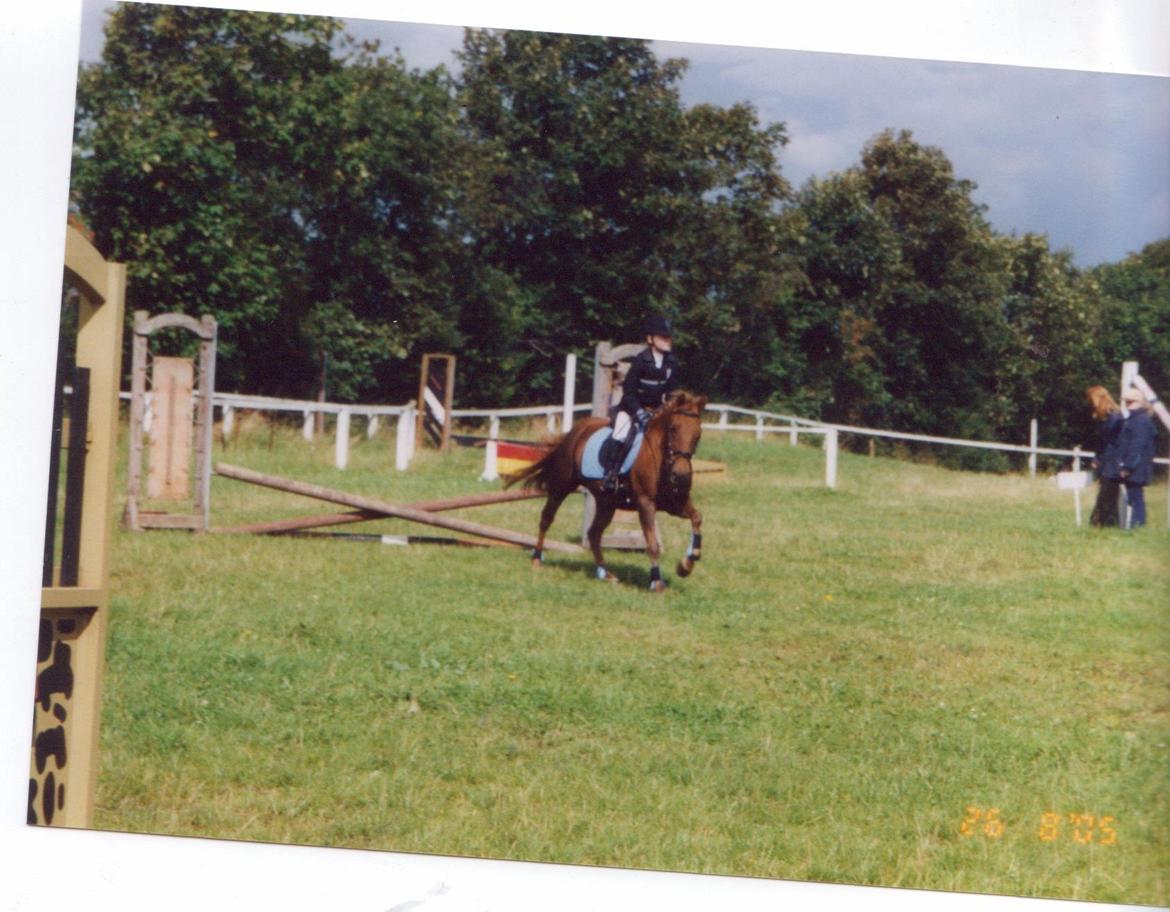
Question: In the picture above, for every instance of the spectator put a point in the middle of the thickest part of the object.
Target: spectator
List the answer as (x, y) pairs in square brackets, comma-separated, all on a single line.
[(1107, 456), (1137, 454)]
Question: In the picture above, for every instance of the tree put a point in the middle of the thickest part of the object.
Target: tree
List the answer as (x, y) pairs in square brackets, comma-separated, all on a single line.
[(942, 325), (600, 198), (1135, 315), (184, 169), (851, 259), (379, 199)]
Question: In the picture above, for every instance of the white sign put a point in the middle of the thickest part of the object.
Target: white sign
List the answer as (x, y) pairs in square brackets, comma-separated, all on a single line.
[(1071, 480)]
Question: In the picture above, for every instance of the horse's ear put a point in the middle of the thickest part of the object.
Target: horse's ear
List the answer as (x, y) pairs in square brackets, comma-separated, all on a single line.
[(701, 403)]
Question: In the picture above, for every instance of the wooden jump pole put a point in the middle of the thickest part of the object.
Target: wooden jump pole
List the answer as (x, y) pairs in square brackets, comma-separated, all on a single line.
[(296, 524), (375, 505)]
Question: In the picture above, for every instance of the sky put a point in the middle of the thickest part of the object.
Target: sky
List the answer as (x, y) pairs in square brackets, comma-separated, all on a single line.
[(1078, 156)]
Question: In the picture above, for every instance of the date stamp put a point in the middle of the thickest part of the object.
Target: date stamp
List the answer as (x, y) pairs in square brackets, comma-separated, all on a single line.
[(1075, 827)]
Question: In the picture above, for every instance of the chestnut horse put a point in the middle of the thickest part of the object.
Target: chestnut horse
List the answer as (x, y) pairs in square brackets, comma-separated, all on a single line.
[(660, 479)]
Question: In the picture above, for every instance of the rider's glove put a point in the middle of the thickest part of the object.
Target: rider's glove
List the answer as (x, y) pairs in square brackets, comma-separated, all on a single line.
[(642, 418)]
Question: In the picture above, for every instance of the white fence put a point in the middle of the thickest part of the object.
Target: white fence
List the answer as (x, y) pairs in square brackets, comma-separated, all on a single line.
[(761, 423)]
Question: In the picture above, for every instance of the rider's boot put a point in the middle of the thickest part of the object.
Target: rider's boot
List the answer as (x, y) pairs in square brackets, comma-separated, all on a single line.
[(611, 460)]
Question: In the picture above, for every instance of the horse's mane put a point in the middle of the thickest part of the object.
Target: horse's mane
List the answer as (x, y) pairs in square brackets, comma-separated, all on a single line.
[(678, 401)]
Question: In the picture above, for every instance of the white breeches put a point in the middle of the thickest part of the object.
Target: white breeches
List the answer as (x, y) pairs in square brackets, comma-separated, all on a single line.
[(621, 425)]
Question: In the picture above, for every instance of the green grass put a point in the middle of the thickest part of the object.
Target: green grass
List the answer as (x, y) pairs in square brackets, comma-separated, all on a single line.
[(846, 673)]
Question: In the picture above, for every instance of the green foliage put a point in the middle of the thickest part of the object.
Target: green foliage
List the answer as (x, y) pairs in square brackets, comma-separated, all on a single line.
[(185, 168), (331, 207)]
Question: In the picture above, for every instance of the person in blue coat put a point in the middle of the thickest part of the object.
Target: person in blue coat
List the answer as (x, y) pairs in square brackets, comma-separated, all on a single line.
[(1137, 454), (1106, 456)]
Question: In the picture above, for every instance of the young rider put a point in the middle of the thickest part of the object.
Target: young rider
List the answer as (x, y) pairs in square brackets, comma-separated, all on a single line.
[(652, 377)]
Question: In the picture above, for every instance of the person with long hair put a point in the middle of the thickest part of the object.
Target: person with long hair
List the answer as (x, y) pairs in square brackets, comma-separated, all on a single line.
[(1137, 454), (1106, 455)]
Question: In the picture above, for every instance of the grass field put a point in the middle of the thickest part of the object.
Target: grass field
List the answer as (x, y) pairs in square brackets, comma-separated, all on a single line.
[(923, 678)]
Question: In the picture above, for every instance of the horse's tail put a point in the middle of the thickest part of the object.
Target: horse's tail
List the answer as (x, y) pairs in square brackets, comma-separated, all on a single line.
[(535, 477)]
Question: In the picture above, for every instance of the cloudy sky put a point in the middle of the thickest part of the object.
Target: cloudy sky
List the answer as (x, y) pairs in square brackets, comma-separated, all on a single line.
[(1078, 156)]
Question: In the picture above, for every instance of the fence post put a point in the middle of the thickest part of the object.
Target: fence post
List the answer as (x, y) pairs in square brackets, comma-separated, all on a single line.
[(759, 427), (1129, 370), (371, 426), (1077, 490), (491, 467), (341, 448), (1032, 437), (403, 445), (307, 430), (792, 433), (551, 423), (229, 421), (570, 392), (831, 458), (723, 420)]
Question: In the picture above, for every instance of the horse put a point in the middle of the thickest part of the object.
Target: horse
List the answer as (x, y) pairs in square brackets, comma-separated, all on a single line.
[(660, 479)]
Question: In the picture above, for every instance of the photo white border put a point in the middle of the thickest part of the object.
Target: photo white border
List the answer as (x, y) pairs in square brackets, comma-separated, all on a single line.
[(38, 53)]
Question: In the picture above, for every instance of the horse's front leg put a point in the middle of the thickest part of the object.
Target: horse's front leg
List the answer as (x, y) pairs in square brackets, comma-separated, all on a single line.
[(695, 548), (646, 514), (603, 511)]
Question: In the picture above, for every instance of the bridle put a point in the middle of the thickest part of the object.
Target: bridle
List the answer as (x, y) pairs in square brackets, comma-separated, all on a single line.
[(671, 453)]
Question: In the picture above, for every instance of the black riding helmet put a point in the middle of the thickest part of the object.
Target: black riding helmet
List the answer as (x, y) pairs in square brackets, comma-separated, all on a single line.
[(657, 325)]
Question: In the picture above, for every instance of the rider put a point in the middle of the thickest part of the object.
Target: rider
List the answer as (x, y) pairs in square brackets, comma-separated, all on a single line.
[(652, 377)]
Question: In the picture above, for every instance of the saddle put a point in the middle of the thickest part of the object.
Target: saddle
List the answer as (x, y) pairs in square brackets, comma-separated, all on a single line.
[(591, 466)]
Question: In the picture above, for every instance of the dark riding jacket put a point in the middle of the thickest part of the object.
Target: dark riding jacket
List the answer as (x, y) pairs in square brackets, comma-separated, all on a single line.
[(1108, 452), (646, 386)]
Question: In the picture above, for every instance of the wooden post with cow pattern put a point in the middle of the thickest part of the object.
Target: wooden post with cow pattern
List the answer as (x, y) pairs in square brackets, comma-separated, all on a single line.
[(75, 597)]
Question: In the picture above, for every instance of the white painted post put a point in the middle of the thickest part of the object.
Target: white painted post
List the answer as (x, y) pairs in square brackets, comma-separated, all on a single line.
[(1129, 370), (1032, 437), (402, 441), (491, 468), (723, 420), (341, 447), (307, 430), (551, 423), (831, 458), (371, 426), (570, 392), (759, 427), (148, 414), (229, 421), (1077, 490), (792, 433)]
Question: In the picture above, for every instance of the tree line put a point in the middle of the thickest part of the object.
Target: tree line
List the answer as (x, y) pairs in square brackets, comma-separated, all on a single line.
[(340, 214)]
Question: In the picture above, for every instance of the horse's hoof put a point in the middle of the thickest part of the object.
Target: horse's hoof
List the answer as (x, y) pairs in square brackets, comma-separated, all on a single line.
[(684, 569), (606, 577), (658, 585), (537, 563)]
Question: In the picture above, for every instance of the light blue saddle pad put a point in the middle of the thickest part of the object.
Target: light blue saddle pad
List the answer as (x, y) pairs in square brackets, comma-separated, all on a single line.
[(591, 464)]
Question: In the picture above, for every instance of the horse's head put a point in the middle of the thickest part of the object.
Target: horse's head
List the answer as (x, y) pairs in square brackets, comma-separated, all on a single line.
[(681, 417)]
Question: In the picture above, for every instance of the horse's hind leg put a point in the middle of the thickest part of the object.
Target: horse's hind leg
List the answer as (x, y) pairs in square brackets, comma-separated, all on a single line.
[(551, 504), (602, 517), (695, 548)]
